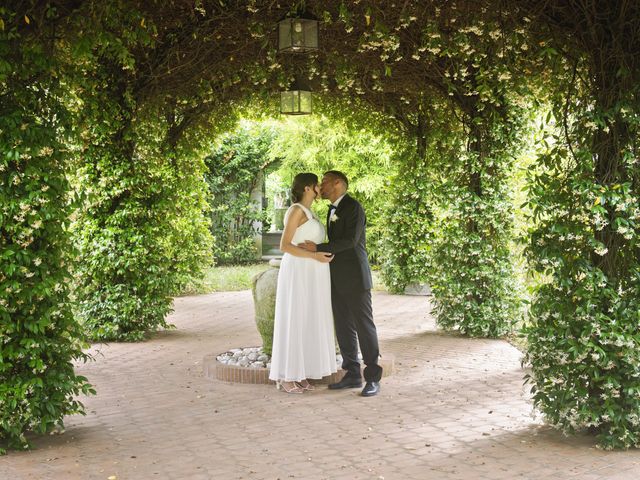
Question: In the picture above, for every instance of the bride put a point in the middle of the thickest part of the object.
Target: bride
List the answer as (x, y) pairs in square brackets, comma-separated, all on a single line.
[(303, 335)]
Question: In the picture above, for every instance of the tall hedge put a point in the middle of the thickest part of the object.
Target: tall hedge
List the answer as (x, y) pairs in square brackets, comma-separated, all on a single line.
[(141, 229), (473, 281), (408, 232), (39, 338), (584, 337)]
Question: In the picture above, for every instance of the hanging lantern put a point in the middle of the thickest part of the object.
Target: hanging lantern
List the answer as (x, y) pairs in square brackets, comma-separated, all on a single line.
[(296, 100), (298, 34)]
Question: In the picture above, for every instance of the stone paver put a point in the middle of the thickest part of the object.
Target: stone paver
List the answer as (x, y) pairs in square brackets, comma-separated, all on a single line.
[(456, 408)]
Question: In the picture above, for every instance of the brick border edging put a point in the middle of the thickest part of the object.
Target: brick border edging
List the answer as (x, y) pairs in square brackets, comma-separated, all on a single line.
[(236, 374)]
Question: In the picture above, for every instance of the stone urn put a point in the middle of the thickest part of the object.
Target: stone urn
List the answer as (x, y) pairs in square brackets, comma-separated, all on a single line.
[(264, 287), (279, 218)]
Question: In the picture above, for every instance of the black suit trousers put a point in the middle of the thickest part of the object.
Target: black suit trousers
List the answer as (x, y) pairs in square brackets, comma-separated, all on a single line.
[(353, 318)]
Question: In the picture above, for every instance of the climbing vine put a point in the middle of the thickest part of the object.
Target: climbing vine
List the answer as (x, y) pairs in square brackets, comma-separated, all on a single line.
[(141, 229), (39, 338), (108, 109), (583, 340)]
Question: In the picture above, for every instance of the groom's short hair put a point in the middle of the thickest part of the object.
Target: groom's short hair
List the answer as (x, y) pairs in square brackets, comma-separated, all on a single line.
[(339, 175)]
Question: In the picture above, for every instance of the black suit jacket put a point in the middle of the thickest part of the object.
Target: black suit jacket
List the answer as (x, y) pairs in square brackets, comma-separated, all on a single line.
[(348, 242)]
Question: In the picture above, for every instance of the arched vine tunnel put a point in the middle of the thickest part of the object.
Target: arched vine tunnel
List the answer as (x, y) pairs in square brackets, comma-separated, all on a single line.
[(107, 110)]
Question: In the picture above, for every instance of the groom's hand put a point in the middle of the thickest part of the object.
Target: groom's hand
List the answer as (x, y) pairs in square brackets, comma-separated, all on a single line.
[(309, 246)]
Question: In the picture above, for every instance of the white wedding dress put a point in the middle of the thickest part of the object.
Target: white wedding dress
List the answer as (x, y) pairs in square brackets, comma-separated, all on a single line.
[(303, 334)]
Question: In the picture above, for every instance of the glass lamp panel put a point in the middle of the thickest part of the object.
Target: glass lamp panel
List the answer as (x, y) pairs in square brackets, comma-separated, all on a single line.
[(305, 102), (284, 34), (287, 102), (311, 34), (297, 34)]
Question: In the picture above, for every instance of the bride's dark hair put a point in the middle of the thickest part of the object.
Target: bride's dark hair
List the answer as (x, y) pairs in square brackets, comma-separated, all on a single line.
[(301, 181)]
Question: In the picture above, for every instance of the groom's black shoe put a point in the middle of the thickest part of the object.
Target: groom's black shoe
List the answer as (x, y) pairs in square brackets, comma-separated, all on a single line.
[(370, 389), (346, 382)]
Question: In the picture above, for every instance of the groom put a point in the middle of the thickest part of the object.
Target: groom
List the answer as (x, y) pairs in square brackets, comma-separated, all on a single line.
[(350, 285)]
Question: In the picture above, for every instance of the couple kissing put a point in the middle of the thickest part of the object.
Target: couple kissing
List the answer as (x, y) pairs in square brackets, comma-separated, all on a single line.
[(324, 284)]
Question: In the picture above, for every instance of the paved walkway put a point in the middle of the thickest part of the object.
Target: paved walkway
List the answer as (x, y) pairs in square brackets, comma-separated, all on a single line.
[(455, 409)]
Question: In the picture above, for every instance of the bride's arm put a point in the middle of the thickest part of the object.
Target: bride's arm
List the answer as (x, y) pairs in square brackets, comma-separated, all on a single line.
[(295, 219)]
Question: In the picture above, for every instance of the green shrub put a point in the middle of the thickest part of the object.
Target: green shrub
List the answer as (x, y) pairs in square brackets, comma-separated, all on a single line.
[(141, 230), (583, 338), (472, 277), (39, 339), (407, 233)]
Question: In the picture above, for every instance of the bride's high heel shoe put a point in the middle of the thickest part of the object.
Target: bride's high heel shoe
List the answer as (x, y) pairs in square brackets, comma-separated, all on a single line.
[(306, 385), (293, 389)]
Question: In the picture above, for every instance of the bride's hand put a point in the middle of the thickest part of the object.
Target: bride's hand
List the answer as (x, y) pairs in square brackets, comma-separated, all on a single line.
[(309, 246), (324, 257)]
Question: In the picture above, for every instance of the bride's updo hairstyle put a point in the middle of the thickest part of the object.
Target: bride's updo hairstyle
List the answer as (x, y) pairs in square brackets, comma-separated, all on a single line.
[(301, 181)]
